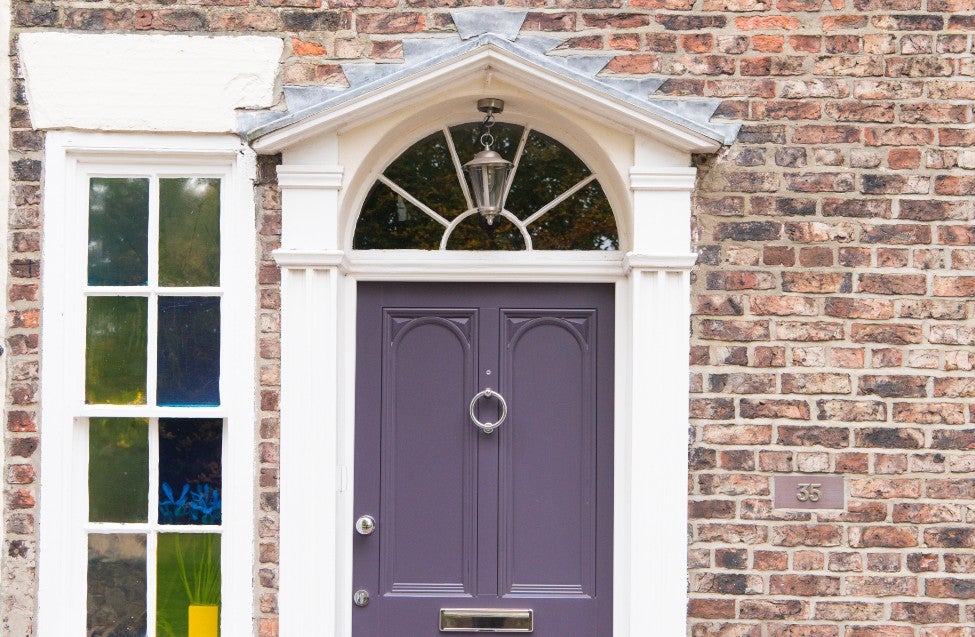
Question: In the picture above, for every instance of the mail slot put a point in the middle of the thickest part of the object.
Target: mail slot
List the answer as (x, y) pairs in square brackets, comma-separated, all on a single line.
[(486, 620)]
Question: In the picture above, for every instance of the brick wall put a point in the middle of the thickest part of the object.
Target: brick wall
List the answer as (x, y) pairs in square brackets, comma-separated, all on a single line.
[(834, 319)]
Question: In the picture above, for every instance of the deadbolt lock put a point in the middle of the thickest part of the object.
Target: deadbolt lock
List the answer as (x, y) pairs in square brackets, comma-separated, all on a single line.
[(365, 525)]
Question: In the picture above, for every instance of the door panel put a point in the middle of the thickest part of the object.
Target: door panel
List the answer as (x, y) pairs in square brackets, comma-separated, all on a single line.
[(428, 454), (547, 457), (520, 518)]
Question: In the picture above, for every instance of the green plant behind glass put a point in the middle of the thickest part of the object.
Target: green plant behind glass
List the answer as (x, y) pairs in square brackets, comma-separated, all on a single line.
[(187, 572)]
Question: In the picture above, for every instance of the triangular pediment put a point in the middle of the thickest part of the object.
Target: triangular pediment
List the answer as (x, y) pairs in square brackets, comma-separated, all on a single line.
[(488, 45)]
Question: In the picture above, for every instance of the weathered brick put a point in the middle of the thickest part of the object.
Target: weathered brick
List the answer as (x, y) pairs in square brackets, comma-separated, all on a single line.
[(893, 386), (925, 612), (883, 537), (804, 585), (773, 408), (851, 411)]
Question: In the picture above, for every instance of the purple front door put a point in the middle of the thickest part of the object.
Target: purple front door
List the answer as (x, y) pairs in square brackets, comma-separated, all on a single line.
[(514, 520)]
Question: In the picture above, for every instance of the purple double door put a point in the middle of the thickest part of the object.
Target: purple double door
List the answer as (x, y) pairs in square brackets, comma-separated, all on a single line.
[(513, 520)]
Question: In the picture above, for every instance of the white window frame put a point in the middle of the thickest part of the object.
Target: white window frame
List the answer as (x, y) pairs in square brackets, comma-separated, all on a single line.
[(70, 158)]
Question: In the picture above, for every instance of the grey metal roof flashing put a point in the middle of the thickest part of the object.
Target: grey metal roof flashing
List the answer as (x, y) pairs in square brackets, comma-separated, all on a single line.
[(490, 27)]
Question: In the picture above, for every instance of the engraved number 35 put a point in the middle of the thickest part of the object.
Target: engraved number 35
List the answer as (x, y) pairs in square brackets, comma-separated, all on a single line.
[(808, 492)]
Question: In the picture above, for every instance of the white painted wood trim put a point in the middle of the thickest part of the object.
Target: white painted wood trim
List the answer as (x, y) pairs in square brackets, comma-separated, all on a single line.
[(655, 519), (62, 555), (676, 178), (489, 61)]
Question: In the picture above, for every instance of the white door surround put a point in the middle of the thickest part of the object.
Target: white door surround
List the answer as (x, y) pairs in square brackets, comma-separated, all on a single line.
[(329, 162)]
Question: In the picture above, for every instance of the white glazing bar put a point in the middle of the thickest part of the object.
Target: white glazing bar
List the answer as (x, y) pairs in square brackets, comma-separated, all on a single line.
[(130, 290), (413, 200), (515, 163), (459, 168), (565, 195), (151, 536)]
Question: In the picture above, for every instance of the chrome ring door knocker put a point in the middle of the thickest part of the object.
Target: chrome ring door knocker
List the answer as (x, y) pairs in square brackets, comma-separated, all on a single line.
[(489, 427)]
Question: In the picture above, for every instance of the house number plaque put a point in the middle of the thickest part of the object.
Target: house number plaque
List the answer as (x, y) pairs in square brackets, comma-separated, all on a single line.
[(809, 492)]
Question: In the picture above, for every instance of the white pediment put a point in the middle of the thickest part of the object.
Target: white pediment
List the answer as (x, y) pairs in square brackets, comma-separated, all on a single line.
[(433, 66)]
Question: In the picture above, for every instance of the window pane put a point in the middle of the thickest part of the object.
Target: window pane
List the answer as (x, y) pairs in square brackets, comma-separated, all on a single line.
[(187, 573), (584, 221), (189, 231), (389, 222), (117, 585), (118, 469), (473, 233), (115, 354), (118, 231), (546, 170), (427, 172), (190, 486), (189, 351)]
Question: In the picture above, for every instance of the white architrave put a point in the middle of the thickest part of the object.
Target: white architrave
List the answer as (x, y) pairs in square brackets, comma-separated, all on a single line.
[(318, 371), (69, 158)]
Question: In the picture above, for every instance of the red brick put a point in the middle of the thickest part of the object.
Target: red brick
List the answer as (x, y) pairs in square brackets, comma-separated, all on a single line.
[(720, 330), (807, 535), (889, 438), (925, 612), (804, 585), (816, 282), (886, 333), (782, 305), (896, 284), (880, 631), (950, 587), (853, 307), (955, 387), (808, 331), (711, 608), (881, 586), (772, 609), (874, 488), (711, 509), (913, 513), (851, 411), (954, 286), (820, 383), (774, 408), (882, 537)]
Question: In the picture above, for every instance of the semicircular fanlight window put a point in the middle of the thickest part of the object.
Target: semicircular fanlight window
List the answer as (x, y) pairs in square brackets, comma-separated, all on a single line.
[(423, 199)]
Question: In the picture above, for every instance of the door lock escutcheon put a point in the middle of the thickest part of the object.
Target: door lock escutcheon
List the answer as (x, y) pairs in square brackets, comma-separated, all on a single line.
[(365, 525)]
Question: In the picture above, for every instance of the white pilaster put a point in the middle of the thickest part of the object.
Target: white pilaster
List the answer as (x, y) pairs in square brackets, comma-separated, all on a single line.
[(309, 257), (659, 286)]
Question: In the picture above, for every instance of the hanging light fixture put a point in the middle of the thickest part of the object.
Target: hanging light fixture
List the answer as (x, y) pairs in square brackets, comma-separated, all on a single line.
[(488, 170)]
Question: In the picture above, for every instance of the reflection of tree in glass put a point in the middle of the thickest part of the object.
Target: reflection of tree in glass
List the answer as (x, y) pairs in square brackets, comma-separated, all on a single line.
[(547, 169), (118, 231), (115, 351), (189, 231), (118, 469)]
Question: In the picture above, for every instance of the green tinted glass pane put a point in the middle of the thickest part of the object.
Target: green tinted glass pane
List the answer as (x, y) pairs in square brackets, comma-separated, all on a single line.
[(546, 170), (118, 231), (118, 469), (189, 231), (584, 221), (473, 233), (427, 172), (117, 585), (389, 222), (115, 355), (187, 572)]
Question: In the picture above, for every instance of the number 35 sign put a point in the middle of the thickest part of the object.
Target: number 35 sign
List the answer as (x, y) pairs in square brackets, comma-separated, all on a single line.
[(809, 492)]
